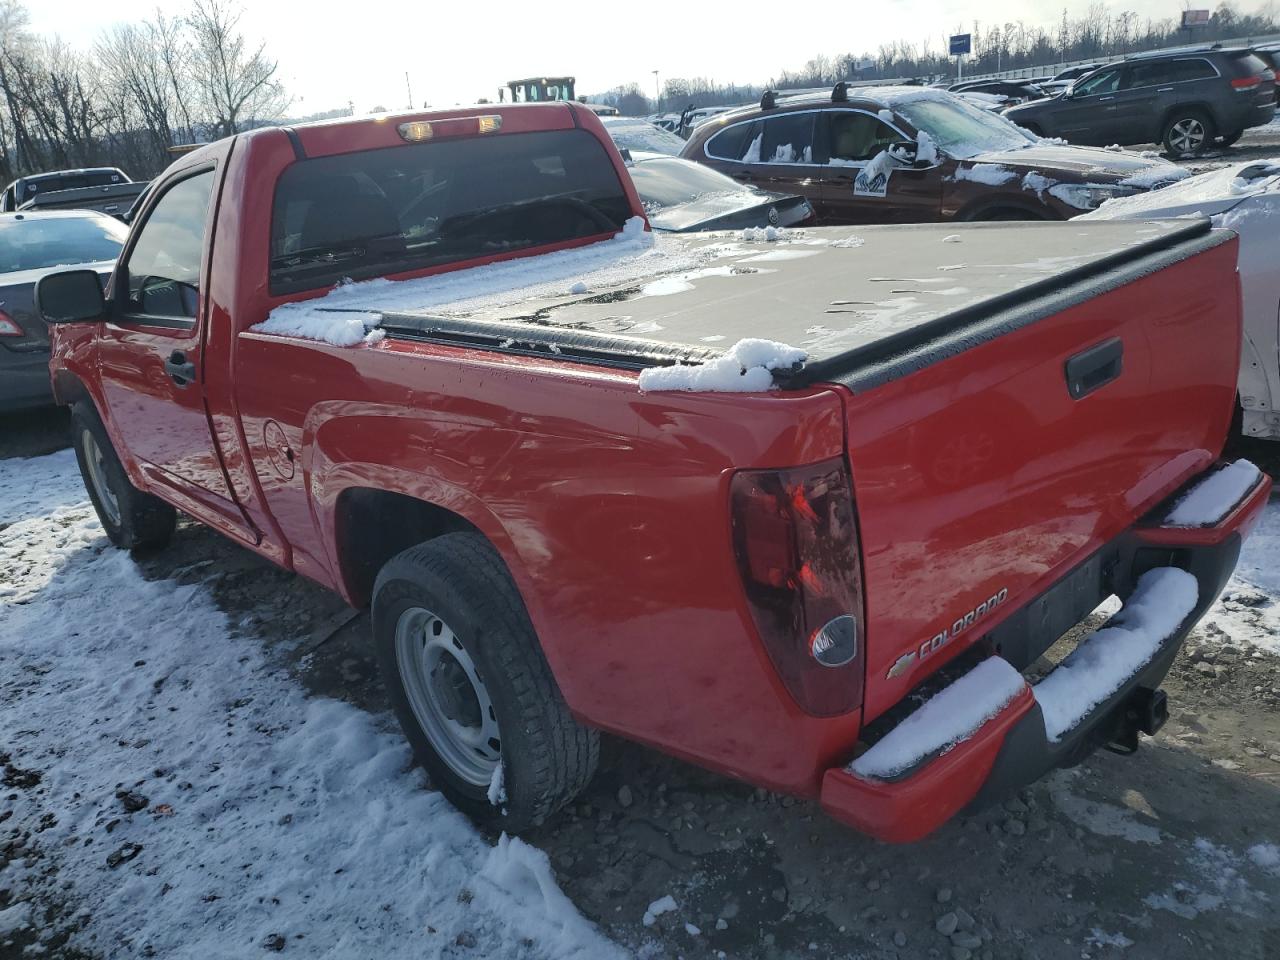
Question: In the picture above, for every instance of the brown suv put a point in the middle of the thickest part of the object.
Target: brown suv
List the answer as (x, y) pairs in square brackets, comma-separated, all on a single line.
[(913, 155)]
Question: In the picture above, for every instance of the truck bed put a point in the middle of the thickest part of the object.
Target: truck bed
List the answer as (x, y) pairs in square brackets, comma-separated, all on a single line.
[(865, 312)]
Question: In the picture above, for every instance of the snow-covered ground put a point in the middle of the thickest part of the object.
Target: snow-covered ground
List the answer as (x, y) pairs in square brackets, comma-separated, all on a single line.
[(189, 800)]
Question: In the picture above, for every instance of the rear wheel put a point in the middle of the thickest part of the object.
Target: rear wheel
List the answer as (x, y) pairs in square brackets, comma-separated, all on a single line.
[(1187, 133), (133, 520), (471, 688)]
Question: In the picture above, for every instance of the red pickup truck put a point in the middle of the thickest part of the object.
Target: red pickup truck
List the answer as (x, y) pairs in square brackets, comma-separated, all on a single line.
[(438, 363)]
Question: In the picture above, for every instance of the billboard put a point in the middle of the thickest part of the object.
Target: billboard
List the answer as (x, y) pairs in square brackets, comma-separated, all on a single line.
[(961, 44), (1194, 18)]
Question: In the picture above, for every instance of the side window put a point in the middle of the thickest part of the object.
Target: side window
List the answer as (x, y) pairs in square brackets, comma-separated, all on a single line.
[(788, 139), (164, 265), (1106, 82), (1193, 70), (731, 143), (1150, 75), (857, 137)]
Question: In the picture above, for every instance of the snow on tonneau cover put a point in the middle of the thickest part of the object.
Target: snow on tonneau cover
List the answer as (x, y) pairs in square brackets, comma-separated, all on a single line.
[(996, 475)]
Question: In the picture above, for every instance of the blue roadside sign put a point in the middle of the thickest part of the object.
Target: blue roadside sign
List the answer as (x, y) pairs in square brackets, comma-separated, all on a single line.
[(961, 44)]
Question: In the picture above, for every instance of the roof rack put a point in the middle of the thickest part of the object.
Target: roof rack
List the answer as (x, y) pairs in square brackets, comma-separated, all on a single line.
[(768, 100), (1175, 51), (840, 92)]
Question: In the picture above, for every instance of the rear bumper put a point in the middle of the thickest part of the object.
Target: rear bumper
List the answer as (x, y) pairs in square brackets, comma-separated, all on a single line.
[(24, 380), (1013, 747)]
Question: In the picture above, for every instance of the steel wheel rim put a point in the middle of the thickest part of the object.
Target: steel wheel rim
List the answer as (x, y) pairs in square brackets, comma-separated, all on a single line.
[(447, 696), (1188, 135), (94, 457)]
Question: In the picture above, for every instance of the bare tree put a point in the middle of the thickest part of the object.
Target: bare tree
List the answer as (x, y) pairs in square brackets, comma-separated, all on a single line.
[(236, 81)]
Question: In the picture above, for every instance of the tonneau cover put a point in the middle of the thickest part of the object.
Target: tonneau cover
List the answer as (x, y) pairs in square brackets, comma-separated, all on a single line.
[(853, 298)]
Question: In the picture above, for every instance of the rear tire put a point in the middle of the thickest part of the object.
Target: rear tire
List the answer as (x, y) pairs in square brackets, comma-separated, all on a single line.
[(1187, 133), (470, 686), (132, 519)]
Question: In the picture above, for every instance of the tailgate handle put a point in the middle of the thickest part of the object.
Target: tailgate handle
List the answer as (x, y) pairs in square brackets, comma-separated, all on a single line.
[(1094, 368)]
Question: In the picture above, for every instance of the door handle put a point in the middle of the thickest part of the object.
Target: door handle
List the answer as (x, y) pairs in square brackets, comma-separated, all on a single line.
[(1105, 99), (1164, 90), (1094, 368), (182, 370)]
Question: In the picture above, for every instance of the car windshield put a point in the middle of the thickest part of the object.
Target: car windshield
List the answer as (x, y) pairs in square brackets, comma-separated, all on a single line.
[(33, 243), (666, 182), (642, 135), (960, 129)]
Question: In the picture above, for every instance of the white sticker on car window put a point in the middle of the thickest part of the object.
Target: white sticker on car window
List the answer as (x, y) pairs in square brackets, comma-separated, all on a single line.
[(875, 185)]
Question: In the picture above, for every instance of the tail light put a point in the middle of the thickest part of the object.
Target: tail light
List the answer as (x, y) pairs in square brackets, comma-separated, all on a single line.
[(796, 543), (9, 327), (1246, 83)]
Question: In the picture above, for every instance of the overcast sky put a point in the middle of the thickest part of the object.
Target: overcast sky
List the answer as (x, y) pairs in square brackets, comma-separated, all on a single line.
[(457, 51)]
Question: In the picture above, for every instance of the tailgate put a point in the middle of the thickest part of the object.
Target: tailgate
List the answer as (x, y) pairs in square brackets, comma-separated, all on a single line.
[(991, 462)]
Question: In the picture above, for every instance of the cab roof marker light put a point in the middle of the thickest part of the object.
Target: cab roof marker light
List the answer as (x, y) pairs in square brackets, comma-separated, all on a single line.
[(416, 131)]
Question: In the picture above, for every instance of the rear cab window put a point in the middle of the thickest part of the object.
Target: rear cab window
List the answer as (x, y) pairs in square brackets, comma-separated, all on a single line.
[(375, 212)]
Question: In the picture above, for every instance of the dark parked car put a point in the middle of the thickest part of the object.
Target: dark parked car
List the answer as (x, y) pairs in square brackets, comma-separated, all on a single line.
[(1014, 91), (1184, 99), (31, 246), (684, 197), (105, 189), (913, 155)]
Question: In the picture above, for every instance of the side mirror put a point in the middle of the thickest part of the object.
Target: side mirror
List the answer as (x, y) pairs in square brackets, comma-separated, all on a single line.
[(74, 296), (904, 152)]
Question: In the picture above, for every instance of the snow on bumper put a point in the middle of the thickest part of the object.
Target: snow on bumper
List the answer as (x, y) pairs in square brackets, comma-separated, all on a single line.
[(989, 731)]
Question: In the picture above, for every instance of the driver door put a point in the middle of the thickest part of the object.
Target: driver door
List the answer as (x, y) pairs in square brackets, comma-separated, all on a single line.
[(150, 354), (1090, 115), (851, 139)]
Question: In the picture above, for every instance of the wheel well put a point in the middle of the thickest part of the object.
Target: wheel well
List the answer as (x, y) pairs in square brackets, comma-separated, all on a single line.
[(1201, 108), (68, 389), (372, 526), (1033, 128), (1005, 210)]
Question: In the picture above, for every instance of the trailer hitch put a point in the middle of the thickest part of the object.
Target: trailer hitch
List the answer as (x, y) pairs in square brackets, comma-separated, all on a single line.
[(1146, 711)]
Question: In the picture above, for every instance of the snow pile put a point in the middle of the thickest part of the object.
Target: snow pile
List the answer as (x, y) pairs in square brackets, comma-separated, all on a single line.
[(1156, 175), (633, 254), (656, 909), (1213, 497), (1038, 183), (926, 149), (885, 115), (342, 328), (1219, 881), (1266, 856), (1106, 659), (1256, 177), (763, 234), (991, 174), (747, 367), (946, 719), (845, 243), (497, 792), (268, 814)]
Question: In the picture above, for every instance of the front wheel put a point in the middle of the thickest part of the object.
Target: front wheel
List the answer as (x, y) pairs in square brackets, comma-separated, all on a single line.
[(471, 688), (133, 520), (1187, 134)]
